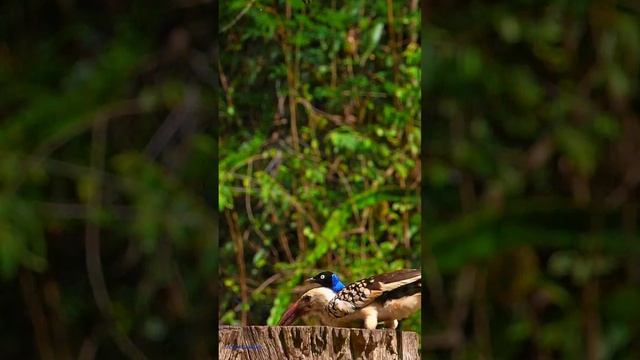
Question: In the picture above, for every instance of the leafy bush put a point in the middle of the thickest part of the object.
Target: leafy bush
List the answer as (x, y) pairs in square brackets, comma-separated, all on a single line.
[(319, 149)]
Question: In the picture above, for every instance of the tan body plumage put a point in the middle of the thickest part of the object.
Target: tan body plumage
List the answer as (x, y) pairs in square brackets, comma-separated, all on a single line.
[(351, 308)]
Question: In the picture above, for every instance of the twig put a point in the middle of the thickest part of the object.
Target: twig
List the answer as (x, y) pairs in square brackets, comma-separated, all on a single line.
[(42, 152), (79, 211), (284, 242), (291, 79), (414, 29), (92, 246), (247, 202), (237, 18), (232, 221), (406, 236), (266, 283), (176, 119), (592, 327), (465, 284), (482, 328), (51, 292), (336, 119), (347, 186), (60, 167), (299, 208), (88, 349), (37, 315), (394, 46)]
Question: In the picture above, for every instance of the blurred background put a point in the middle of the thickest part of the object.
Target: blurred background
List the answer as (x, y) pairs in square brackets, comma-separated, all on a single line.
[(531, 178), (319, 148), (107, 158)]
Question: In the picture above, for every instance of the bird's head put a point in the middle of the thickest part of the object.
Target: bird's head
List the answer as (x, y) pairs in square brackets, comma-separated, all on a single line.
[(324, 278), (311, 301), (327, 279)]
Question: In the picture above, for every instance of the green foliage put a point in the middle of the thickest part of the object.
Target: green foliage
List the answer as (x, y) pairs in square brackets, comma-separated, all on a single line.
[(106, 137), (533, 110), (319, 150), (21, 238)]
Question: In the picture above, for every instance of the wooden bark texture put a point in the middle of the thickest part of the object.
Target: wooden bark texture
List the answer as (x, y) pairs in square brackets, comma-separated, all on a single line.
[(315, 342)]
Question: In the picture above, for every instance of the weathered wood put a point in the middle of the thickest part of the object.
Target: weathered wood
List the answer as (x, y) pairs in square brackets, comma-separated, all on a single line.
[(315, 342)]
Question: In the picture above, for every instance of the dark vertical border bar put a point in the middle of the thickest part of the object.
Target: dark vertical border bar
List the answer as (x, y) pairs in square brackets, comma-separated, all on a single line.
[(216, 227), (423, 161)]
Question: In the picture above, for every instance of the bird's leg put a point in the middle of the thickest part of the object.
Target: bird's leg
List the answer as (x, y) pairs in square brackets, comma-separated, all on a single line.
[(391, 324), (370, 318), (370, 322)]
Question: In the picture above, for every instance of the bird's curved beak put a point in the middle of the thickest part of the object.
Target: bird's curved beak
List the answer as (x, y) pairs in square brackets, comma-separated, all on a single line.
[(291, 315), (310, 280)]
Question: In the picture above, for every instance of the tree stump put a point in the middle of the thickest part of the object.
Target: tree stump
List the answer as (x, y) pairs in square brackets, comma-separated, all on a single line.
[(315, 342)]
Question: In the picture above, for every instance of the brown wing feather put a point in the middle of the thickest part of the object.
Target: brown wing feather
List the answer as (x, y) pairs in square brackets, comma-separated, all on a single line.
[(396, 276), (363, 292)]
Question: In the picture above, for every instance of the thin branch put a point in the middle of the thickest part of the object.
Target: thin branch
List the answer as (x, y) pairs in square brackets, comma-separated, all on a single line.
[(238, 17), (464, 287), (44, 150), (232, 222), (176, 119), (60, 167), (79, 211), (347, 186), (247, 202), (414, 29), (266, 283), (291, 79), (52, 298), (88, 349), (284, 242), (336, 119), (394, 47), (92, 246), (37, 315)]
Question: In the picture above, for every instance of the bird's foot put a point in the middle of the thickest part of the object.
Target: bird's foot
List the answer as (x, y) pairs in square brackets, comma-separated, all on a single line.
[(391, 324)]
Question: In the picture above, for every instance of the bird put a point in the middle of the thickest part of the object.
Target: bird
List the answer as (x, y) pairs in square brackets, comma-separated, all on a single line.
[(387, 298), (329, 280)]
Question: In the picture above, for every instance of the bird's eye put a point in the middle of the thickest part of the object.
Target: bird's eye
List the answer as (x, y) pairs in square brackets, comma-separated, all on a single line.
[(306, 298), (321, 276)]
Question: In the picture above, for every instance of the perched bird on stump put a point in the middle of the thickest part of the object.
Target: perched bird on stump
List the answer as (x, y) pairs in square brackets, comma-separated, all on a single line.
[(328, 279), (384, 298)]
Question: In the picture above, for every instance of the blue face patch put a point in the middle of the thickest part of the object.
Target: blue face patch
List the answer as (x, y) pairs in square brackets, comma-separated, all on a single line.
[(336, 284)]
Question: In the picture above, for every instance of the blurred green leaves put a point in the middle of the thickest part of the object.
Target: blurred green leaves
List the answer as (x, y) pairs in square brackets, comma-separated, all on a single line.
[(134, 77), (531, 108), (22, 242)]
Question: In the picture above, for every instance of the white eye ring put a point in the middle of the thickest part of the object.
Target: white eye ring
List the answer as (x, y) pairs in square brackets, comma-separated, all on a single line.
[(321, 276)]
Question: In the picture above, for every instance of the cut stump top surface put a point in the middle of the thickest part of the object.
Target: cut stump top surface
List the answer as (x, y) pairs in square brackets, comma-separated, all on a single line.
[(315, 342)]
